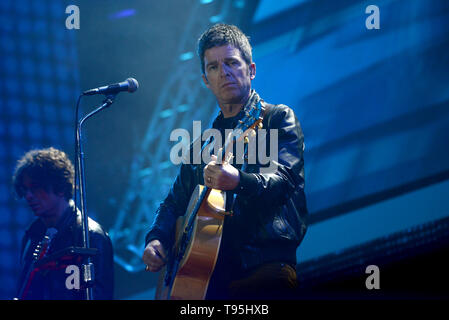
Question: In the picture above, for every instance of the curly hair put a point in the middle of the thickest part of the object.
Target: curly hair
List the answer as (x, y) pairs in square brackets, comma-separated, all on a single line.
[(223, 34), (49, 168)]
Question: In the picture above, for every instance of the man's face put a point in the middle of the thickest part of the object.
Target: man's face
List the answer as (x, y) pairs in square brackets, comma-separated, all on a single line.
[(227, 74), (43, 203)]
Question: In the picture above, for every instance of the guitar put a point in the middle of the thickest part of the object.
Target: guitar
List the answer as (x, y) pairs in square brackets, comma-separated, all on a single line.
[(39, 253), (198, 233)]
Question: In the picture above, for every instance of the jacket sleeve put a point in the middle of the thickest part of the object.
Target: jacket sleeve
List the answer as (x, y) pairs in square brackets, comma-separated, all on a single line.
[(286, 174), (174, 206)]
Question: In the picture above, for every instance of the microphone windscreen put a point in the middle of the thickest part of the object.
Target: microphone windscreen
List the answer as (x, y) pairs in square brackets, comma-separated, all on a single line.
[(133, 85)]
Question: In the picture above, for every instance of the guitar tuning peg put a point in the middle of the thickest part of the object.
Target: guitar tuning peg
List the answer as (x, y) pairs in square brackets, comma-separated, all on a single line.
[(260, 125), (246, 140)]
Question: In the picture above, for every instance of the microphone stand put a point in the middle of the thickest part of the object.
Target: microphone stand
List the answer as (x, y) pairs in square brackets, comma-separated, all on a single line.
[(88, 267)]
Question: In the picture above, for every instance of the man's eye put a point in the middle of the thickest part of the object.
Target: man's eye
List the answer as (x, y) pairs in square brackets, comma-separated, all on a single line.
[(212, 67)]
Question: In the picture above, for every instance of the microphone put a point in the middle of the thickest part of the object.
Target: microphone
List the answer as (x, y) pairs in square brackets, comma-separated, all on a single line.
[(129, 85)]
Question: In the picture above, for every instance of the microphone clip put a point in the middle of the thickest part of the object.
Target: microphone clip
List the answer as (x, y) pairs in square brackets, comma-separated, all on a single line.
[(108, 100)]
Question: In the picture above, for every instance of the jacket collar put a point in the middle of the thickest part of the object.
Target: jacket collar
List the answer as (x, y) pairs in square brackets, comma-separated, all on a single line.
[(252, 101)]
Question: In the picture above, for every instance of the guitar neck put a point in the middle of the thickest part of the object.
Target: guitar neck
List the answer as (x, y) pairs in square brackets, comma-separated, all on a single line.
[(25, 282), (203, 195)]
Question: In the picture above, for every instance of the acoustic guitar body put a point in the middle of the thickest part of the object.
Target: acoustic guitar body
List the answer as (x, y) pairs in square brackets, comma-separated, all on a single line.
[(196, 267)]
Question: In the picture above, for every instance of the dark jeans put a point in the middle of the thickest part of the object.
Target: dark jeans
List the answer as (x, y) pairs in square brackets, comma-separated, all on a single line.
[(272, 281)]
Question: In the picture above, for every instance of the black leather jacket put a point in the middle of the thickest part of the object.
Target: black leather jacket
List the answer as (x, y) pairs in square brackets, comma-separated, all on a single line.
[(50, 282), (269, 220)]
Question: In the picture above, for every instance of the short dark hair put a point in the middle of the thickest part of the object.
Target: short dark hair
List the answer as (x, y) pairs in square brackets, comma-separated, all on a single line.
[(223, 34), (48, 168)]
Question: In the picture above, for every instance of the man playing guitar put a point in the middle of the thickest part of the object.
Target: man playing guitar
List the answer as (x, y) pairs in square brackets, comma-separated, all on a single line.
[(257, 255)]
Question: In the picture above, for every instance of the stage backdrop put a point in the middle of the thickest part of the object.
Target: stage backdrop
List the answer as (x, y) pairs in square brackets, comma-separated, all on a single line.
[(373, 105)]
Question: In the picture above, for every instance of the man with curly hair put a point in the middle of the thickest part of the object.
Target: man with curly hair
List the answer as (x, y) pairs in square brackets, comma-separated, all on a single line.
[(45, 179)]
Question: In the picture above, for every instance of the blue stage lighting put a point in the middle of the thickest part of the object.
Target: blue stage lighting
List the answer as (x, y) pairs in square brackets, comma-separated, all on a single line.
[(186, 56), (10, 65), (16, 130), (42, 49), (122, 14), (30, 88), (35, 131)]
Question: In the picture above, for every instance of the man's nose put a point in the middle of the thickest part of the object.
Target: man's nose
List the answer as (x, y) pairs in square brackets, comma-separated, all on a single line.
[(224, 70)]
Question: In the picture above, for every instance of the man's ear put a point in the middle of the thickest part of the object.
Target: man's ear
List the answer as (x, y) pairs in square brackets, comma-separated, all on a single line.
[(252, 70), (206, 82)]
